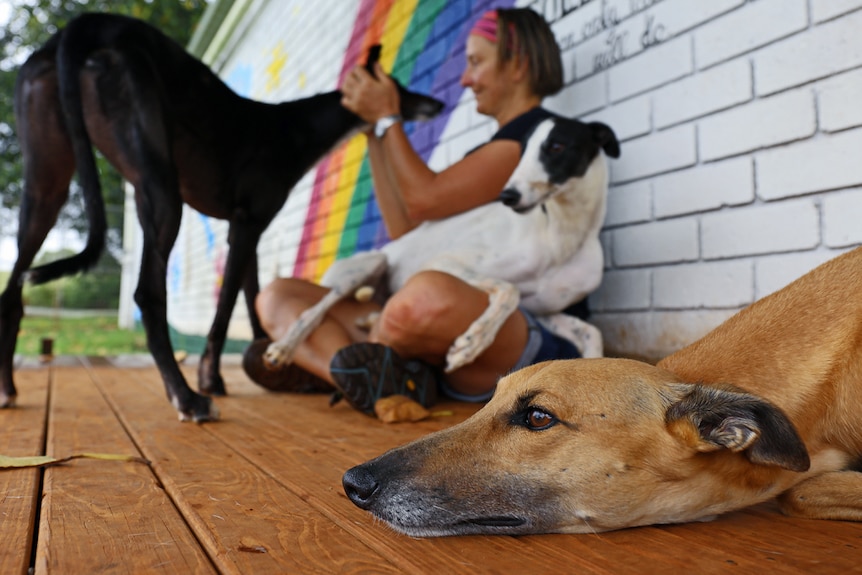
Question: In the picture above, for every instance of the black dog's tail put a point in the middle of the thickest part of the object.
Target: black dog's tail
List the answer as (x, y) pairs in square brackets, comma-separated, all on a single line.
[(77, 41)]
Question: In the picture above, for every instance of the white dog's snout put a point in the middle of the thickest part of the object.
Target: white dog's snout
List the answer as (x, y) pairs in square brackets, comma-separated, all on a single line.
[(510, 197)]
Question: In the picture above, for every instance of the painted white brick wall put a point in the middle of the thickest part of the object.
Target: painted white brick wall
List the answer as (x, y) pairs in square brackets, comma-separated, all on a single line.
[(655, 243), (656, 153), (762, 123), (754, 24), (838, 102), (824, 163), (629, 204), (784, 227), (825, 9), (705, 188), (716, 284), (741, 135), (716, 89), (818, 53), (841, 222), (741, 131)]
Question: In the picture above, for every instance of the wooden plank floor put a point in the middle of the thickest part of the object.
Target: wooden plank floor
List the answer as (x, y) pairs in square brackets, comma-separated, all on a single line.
[(260, 492)]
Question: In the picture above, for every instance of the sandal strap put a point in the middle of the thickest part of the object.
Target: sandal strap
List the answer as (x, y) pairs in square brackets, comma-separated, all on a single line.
[(366, 372)]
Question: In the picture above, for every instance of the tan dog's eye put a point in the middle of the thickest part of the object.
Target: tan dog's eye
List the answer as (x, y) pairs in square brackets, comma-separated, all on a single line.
[(538, 419)]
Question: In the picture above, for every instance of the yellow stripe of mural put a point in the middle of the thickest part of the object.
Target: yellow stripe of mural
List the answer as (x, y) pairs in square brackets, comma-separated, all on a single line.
[(397, 23), (340, 206)]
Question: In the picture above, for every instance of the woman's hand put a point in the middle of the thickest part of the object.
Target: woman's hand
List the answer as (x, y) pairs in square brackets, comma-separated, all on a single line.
[(370, 97)]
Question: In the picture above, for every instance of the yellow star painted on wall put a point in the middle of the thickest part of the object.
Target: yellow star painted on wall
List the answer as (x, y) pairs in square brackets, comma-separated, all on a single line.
[(276, 65)]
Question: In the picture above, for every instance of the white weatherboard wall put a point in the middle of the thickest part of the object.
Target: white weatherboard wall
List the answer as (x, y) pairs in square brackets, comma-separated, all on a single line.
[(741, 130)]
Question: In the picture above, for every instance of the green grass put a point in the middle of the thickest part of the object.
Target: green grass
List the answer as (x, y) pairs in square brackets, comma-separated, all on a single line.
[(79, 336), (100, 336)]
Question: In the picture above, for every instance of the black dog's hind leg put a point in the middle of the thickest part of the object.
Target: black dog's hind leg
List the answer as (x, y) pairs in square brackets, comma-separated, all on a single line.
[(48, 168), (38, 215), (240, 271)]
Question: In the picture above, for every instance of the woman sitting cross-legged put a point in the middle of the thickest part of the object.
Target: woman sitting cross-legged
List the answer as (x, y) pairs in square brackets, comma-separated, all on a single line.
[(513, 62)]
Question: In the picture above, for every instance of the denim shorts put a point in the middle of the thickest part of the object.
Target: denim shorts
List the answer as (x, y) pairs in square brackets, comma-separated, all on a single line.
[(542, 345)]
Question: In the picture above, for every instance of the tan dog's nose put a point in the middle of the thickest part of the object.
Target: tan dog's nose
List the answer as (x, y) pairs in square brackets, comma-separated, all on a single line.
[(360, 486)]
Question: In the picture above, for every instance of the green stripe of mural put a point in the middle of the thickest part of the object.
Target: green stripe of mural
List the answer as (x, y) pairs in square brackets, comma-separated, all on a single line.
[(421, 23), (356, 214)]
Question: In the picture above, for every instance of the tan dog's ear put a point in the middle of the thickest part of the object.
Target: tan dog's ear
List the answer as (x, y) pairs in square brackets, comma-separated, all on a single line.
[(711, 418)]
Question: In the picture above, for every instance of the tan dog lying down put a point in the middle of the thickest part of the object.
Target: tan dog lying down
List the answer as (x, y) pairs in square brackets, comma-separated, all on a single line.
[(768, 404)]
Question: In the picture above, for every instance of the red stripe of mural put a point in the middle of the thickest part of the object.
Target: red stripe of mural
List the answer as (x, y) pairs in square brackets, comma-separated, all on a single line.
[(367, 30)]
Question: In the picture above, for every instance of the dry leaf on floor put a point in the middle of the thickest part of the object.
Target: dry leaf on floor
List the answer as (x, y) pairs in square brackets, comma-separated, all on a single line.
[(397, 408), (7, 462)]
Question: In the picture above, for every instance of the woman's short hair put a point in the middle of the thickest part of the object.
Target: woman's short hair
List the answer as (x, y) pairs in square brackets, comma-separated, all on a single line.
[(523, 32)]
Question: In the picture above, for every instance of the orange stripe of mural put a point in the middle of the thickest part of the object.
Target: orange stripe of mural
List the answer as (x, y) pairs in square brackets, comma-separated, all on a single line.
[(328, 188), (377, 24)]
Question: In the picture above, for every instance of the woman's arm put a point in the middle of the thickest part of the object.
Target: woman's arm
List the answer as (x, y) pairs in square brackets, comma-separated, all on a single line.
[(409, 192), (472, 181), (392, 207)]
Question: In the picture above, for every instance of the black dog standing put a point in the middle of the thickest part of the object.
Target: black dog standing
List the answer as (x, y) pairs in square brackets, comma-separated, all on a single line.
[(178, 134)]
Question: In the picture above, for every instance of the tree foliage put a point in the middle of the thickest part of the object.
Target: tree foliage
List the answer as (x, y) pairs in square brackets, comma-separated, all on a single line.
[(31, 23)]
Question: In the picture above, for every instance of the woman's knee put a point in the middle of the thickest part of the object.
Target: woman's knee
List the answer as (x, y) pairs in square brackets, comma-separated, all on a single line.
[(427, 303), (281, 299)]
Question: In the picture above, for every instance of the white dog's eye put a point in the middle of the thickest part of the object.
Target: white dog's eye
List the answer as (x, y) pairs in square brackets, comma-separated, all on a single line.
[(537, 419), (554, 148)]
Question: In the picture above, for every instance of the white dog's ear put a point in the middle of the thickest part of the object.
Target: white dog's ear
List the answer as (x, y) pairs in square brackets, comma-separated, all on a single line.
[(606, 139), (710, 418)]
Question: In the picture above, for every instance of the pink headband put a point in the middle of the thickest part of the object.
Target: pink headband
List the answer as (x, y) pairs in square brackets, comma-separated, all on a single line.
[(486, 26)]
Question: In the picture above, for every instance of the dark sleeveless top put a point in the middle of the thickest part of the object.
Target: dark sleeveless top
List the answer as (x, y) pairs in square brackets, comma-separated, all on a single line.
[(522, 125), (519, 128)]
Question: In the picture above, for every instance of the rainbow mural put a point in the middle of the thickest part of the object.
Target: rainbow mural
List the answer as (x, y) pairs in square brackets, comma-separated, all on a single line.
[(423, 46)]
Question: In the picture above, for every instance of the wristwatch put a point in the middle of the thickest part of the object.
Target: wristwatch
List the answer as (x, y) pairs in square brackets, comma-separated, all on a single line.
[(385, 123)]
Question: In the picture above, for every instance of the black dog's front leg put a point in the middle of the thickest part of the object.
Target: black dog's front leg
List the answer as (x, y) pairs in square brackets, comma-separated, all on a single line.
[(159, 212), (241, 262), (250, 289), (151, 297)]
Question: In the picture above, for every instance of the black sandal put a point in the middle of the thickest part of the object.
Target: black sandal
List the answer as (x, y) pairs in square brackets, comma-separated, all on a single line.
[(290, 378), (365, 372)]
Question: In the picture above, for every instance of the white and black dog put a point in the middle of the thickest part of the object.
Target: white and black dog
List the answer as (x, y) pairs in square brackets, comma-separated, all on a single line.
[(542, 259)]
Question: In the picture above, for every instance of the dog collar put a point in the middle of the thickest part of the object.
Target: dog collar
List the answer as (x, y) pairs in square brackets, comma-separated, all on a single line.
[(384, 124)]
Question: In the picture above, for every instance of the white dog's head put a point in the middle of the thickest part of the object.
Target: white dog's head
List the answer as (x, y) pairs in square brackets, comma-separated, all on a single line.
[(559, 155)]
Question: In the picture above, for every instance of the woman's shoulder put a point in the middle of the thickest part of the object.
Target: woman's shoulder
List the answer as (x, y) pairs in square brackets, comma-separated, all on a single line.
[(520, 126)]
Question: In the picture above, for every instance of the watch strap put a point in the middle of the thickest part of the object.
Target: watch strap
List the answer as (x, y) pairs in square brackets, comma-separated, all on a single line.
[(384, 123)]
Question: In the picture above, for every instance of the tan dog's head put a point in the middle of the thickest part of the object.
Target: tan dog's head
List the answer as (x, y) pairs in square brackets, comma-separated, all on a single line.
[(584, 446)]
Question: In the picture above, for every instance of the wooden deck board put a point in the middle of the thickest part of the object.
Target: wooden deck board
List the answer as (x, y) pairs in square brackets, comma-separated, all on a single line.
[(260, 492), (96, 514), (23, 435), (247, 521)]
